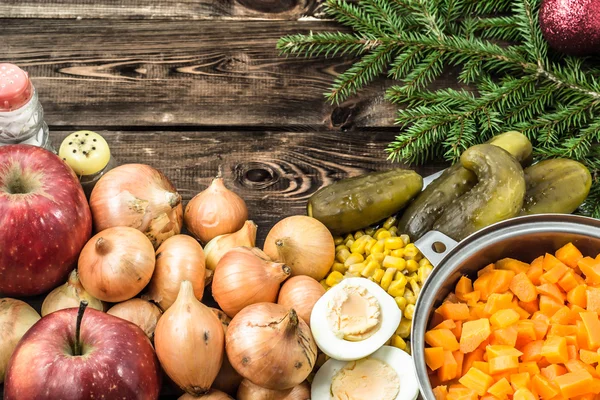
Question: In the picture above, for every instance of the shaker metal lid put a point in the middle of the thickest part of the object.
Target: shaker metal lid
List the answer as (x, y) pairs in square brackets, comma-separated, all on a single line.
[(15, 88)]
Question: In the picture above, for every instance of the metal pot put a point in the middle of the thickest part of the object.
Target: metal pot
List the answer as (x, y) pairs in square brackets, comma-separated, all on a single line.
[(523, 238)]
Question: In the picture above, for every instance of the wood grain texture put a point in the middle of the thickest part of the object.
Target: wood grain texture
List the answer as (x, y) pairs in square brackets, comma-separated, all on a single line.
[(176, 73), (158, 9)]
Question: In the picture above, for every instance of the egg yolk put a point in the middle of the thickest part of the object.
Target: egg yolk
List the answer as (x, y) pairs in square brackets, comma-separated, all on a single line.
[(354, 313), (365, 379)]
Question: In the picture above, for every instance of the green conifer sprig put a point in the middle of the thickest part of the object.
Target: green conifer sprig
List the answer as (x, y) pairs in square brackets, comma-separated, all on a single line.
[(516, 82)]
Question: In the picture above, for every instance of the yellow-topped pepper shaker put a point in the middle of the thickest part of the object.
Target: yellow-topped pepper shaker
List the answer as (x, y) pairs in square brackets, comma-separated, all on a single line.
[(88, 154)]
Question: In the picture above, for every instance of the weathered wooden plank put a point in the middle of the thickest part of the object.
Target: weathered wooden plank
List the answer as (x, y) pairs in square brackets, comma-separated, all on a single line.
[(158, 9), (175, 73)]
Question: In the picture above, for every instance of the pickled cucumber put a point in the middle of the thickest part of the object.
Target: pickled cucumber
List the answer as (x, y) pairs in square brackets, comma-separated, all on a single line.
[(498, 195), (422, 213), (555, 186), (354, 203)]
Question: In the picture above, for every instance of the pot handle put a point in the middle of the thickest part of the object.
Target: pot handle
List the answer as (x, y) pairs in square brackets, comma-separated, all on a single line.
[(435, 246)]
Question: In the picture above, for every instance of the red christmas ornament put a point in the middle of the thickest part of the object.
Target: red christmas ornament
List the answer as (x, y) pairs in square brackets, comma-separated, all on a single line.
[(572, 26)]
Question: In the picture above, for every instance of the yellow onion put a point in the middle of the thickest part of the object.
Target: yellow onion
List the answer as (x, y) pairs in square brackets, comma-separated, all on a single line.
[(246, 276), (228, 379), (179, 258), (215, 211), (139, 312), (211, 395), (303, 243), (189, 342), (116, 264), (218, 246), (250, 391), (69, 295), (269, 345), (16, 317), (138, 196), (301, 293)]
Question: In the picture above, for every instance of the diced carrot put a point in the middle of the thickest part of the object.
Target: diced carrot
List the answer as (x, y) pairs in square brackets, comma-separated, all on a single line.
[(555, 273), (464, 286), (434, 357), (494, 351), (562, 330), (575, 309), (442, 338), (484, 346), (582, 337), (511, 264), (588, 356), (457, 331), (523, 288), (571, 340), (503, 318), (544, 388), (459, 357), (552, 290), (552, 371), (471, 298), (591, 269), (501, 389), (497, 302), (523, 314), (578, 296), (536, 270), (532, 351), (531, 367), (549, 305), (475, 355), (448, 370), (531, 306), (563, 316), (482, 366), (555, 350), (505, 336), (595, 386), (574, 383), (477, 380), (520, 380), (550, 262), (455, 393), (524, 394), (454, 311), (525, 332), (572, 350), (488, 396), (494, 281), (485, 270), (435, 320), (569, 255), (503, 364), (593, 299), (440, 392), (477, 312), (568, 281), (541, 328), (446, 324), (578, 365), (541, 316), (592, 327)]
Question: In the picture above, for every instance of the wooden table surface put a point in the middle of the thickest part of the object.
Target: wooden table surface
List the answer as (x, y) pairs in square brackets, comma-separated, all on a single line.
[(194, 86)]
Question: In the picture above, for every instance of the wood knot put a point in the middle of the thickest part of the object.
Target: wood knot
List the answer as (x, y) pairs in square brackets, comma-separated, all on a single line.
[(342, 116), (271, 6), (256, 175)]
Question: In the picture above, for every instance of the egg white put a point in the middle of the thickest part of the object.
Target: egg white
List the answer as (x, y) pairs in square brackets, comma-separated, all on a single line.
[(346, 350), (397, 359)]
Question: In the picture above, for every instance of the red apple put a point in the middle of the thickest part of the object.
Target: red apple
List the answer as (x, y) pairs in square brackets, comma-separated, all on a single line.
[(112, 359), (45, 220)]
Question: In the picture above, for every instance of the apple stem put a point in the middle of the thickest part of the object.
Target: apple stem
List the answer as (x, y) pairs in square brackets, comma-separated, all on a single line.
[(82, 306)]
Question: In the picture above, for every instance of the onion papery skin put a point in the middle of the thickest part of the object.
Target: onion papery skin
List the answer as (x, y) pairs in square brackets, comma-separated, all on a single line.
[(140, 312), (212, 395), (138, 196), (116, 264), (69, 295), (246, 276), (215, 211), (179, 258), (250, 391), (301, 292), (189, 341), (271, 346), (303, 243)]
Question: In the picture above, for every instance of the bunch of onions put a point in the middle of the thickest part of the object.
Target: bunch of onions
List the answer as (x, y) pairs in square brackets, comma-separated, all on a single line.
[(179, 258), (220, 245), (246, 276), (138, 196), (269, 345), (116, 264), (301, 293), (215, 211), (16, 317), (228, 380), (139, 312), (211, 395), (250, 391), (189, 342), (69, 295), (303, 243)]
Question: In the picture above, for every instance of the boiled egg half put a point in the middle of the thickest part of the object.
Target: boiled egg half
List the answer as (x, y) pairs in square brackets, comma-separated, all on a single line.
[(354, 319), (387, 374)]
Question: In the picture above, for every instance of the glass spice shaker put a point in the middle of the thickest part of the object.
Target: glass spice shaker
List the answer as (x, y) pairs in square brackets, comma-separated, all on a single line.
[(21, 114), (88, 154)]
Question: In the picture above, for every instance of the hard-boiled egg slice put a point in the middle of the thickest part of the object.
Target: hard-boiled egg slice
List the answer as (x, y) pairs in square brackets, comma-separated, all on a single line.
[(354, 319), (387, 374)]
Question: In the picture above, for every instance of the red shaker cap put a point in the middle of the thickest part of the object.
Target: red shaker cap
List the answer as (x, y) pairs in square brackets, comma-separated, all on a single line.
[(15, 88)]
